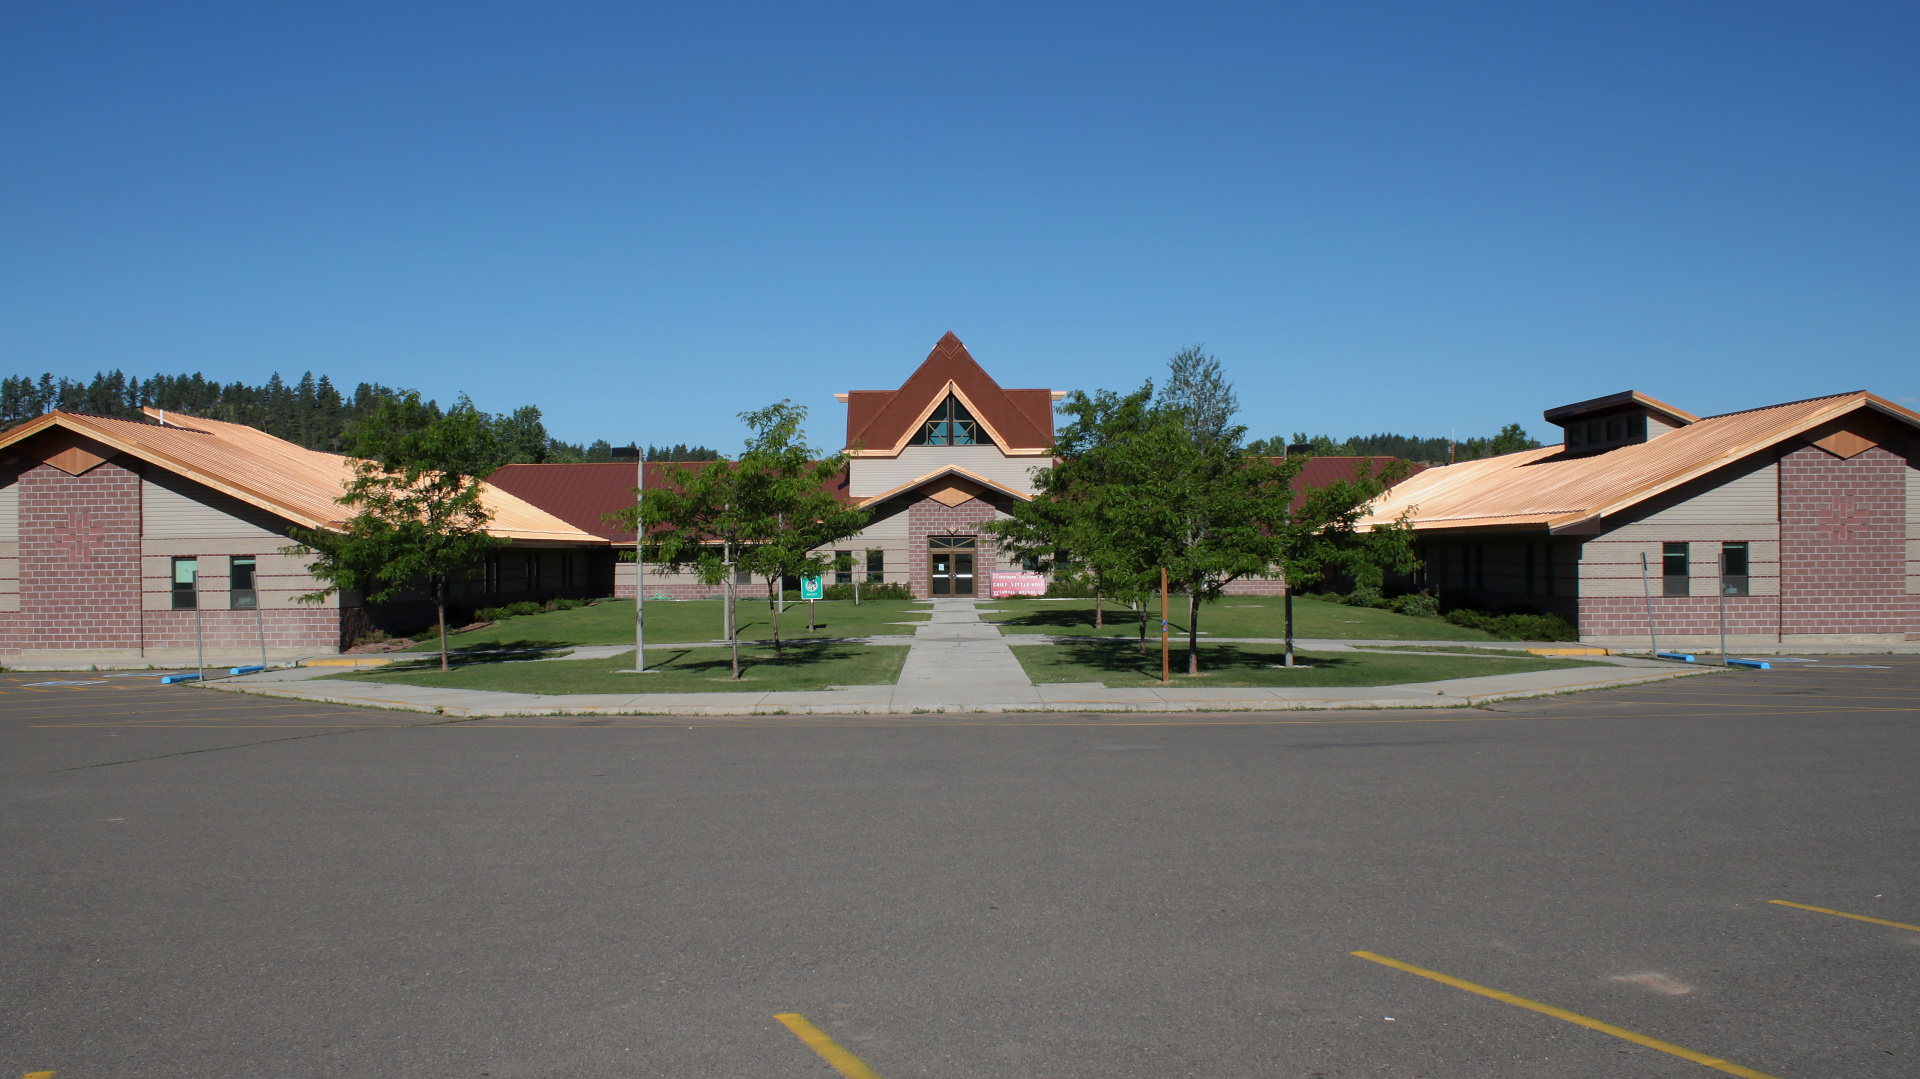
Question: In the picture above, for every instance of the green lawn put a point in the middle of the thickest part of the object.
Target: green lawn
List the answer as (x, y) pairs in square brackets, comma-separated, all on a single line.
[(805, 665), (1119, 665), (1233, 616), (611, 622)]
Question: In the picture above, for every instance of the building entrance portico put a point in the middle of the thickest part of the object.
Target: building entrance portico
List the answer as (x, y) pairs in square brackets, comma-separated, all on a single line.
[(950, 565)]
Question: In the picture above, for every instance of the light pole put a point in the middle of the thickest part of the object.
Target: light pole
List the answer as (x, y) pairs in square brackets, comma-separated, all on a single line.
[(639, 562)]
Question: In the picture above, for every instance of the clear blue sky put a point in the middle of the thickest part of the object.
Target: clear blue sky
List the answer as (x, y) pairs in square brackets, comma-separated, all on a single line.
[(1414, 218)]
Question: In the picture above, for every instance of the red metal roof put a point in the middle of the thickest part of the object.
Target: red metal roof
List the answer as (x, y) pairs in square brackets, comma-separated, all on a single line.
[(1320, 471), (582, 493), (881, 421)]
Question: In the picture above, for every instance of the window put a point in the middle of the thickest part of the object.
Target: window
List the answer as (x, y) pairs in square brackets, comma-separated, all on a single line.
[(533, 572), (1593, 433), (1575, 436), (1636, 426), (240, 587), (1549, 569), (742, 575), (566, 570), (876, 567), (1529, 569), (1674, 570), (1030, 563), (843, 576), (950, 425), (1616, 430), (1480, 566), (490, 574), (1733, 569), (185, 572)]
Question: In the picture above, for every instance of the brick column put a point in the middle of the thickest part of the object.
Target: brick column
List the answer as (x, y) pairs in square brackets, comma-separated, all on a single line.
[(1843, 543), (80, 558)]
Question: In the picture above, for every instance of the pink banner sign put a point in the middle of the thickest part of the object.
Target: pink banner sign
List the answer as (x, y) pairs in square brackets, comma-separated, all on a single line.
[(1018, 583)]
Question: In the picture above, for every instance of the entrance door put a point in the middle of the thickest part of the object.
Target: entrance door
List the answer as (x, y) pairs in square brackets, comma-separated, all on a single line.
[(950, 565)]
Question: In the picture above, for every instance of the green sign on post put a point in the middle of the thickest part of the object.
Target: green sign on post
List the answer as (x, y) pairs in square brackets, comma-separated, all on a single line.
[(810, 588)]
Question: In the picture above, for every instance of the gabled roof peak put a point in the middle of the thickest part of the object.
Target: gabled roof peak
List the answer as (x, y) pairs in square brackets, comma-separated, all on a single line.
[(881, 422)]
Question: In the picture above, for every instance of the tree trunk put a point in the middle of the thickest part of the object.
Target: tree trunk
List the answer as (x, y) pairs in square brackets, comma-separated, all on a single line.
[(1289, 626), (1143, 629), (1193, 630), (733, 623), (1099, 620), (773, 604), (440, 603)]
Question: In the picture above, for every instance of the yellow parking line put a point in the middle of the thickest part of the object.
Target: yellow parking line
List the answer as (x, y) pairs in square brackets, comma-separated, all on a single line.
[(39, 1075), (1572, 1017), (843, 1062), (1844, 914)]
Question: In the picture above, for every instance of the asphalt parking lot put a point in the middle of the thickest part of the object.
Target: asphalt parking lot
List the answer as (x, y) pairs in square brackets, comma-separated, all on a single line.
[(203, 884)]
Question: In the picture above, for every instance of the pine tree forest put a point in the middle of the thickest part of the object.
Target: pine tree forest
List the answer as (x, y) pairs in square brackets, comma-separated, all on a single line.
[(311, 412)]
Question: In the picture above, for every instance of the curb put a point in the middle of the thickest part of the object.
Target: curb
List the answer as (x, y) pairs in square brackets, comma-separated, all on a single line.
[(1470, 700)]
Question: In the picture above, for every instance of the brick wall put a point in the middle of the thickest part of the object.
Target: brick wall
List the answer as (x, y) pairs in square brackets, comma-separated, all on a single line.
[(929, 518), (79, 560), (1843, 544), (310, 629), (1695, 617)]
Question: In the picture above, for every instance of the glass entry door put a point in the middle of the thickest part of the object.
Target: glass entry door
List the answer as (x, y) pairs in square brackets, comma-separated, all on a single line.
[(950, 565)]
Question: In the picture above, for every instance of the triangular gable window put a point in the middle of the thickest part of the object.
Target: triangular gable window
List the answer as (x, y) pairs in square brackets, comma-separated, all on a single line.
[(950, 425)]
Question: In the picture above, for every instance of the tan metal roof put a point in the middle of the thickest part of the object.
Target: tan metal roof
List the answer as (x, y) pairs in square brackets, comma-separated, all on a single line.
[(1551, 489), (298, 484)]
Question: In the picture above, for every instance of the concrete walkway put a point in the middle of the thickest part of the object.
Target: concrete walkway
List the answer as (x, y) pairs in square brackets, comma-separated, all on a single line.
[(957, 663)]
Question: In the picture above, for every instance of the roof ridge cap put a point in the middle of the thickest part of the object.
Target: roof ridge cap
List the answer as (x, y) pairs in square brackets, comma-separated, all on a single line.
[(1784, 404)]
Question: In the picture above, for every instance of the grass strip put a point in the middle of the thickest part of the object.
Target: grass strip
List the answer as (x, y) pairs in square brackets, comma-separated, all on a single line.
[(803, 665), (1121, 665)]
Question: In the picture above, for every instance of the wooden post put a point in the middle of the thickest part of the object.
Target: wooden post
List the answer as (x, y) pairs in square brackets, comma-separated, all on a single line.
[(1166, 661)]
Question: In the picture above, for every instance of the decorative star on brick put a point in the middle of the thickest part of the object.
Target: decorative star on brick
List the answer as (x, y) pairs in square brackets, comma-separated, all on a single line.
[(1842, 521), (79, 537)]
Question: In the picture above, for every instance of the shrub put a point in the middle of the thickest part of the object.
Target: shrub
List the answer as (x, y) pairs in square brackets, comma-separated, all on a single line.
[(1518, 626), (1070, 588), (1416, 604), (1365, 596), (868, 591), (372, 636)]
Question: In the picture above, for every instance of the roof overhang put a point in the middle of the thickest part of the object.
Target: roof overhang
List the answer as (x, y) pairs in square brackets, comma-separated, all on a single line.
[(953, 388), (948, 472)]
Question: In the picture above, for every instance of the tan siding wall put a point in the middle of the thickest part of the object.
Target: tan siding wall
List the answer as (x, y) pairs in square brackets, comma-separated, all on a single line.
[(1657, 427), (10, 513), (1748, 496), (174, 508), (280, 578), (1610, 567), (886, 532), (871, 476)]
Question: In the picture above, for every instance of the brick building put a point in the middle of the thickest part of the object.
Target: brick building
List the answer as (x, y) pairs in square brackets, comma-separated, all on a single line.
[(119, 540), (1804, 518), (932, 461)]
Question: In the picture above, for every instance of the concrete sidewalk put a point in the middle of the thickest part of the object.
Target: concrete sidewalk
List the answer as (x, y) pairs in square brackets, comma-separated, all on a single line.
[(957, 663)]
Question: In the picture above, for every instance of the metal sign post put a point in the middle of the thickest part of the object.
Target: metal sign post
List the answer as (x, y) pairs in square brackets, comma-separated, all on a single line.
[(1723, 607), (811, 588), (199, 641), (1647, 588), (259, 620)]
